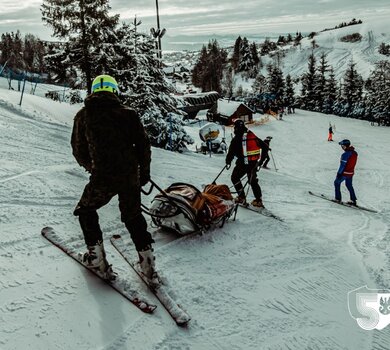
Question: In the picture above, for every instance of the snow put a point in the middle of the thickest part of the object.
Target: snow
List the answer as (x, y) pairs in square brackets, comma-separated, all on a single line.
[(227, 107), (339, 54), (256, 283)]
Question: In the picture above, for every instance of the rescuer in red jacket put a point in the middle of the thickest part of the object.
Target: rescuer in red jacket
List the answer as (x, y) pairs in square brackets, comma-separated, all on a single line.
[(250, 152)]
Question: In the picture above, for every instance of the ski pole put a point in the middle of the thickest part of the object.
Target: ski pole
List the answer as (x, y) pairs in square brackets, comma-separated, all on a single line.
[(219, 174), (273, 161)]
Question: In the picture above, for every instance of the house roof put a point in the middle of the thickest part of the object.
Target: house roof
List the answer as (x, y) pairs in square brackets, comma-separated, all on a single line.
[(228, 107)]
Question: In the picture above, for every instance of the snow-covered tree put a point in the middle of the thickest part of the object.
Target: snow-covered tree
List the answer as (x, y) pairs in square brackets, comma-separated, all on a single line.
[(87, 28), (228, 82), (320, 83), (330, 93), (275, 82), (11, 49), (246, 61), (33, 53), (378, 93), (352, 88), (289, 93), (209, 68), (308, 93), (199, 68), (144, 88), (259, 85), (236, 53)]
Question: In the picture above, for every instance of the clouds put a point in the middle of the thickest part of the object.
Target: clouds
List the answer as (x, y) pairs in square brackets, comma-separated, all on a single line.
[(213, 17)]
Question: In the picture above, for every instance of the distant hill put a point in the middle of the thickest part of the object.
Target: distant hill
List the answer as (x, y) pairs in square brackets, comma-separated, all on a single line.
[(363, 52)]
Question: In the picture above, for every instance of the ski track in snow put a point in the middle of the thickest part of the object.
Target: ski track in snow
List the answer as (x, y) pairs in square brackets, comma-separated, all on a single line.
[(256, 283)]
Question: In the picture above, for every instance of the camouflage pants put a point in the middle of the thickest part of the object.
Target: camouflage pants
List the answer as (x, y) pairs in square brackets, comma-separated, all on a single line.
[(97, 193)]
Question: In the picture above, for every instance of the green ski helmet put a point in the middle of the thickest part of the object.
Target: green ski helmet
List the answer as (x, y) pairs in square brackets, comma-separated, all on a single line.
[(105, 83)]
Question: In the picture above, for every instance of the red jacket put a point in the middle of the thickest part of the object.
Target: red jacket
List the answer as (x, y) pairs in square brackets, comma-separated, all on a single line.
[(347, 162), (249, 149)]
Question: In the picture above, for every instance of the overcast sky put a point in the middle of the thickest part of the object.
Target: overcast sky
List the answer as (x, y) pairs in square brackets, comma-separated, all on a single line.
[(208, 17)]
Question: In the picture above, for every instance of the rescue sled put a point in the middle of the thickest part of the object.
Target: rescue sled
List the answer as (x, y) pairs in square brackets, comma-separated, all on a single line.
[(184, 209)]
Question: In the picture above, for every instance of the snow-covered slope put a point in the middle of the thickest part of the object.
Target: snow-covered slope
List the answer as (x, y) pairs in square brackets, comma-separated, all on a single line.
[(339, 54), (363, 53), (256, 283)]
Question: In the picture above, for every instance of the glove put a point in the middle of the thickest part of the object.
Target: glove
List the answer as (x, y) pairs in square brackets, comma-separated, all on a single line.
[(144, 179), (228, 165), (339, 176)]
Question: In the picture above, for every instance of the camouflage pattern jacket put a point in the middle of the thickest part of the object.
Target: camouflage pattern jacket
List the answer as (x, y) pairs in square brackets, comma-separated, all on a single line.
[(108, 139)]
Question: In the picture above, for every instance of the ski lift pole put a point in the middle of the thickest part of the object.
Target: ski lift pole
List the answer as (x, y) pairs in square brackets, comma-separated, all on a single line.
[(273, 161)]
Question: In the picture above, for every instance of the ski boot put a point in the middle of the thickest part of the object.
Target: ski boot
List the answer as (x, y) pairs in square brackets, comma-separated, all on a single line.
[(95, 258), (353, 203), (240, 200), (258, 203), (148, 266)]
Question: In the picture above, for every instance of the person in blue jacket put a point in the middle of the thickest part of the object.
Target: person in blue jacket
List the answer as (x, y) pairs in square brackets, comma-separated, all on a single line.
[(346, 171)]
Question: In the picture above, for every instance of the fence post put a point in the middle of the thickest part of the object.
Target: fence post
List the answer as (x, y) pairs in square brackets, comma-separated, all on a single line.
[(24, 84)]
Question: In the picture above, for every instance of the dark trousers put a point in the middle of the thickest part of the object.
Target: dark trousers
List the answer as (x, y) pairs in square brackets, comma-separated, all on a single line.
[(266, 160), (97, 193), (250, 170), (348, 183)]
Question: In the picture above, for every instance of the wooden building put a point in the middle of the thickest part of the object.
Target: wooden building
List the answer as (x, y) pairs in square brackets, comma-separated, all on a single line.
[(226, 111)]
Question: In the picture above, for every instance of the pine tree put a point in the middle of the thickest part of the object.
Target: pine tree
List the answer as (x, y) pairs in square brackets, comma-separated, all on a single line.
[(246, 61), (384, 49), (11, 47), (228, 82), (259, 86), (144, 88), (267, 47), (320, 83), (308, 94), (33, 53), (257, 64), (378, 93), (352, 89), (298, 38), (236, 53), (330, 93), (208, 71), (85, 25), (275, 82), (59, 69), (199, 69), (289, 94)]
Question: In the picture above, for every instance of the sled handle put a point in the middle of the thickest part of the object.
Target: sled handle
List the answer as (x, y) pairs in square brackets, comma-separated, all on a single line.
[(219, 174)]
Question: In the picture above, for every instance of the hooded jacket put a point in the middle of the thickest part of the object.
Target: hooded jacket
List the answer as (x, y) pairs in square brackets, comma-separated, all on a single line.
[(109, 140)]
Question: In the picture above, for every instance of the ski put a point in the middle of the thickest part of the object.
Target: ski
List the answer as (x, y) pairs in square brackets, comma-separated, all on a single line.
[(262, 211), (118, 284), (176, 311), (320, 195)]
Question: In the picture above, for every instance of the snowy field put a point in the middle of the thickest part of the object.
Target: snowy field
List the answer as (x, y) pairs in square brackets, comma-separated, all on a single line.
[(254, 284)]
